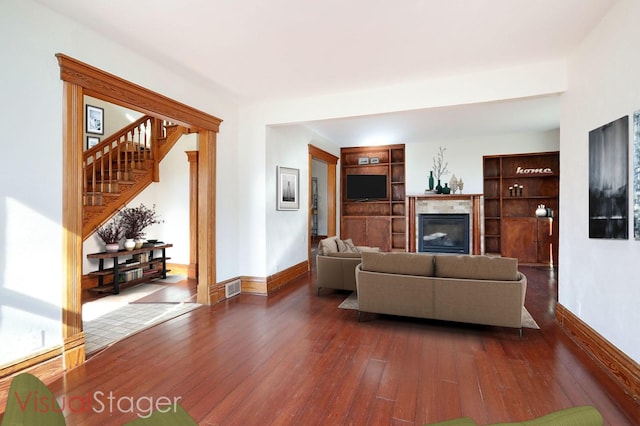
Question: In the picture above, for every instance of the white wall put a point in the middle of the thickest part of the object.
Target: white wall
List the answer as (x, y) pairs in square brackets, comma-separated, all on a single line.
[(598, 280), (464, 157), (287, 233), (31, 284)]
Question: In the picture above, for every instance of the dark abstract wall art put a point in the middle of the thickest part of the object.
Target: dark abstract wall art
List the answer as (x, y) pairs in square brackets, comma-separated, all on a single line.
[(609, 180), (636, 175)]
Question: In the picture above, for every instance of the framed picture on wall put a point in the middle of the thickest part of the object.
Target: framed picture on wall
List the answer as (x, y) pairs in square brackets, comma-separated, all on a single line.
[(288, 188), (95, 120), (609, 180), (92, 141)]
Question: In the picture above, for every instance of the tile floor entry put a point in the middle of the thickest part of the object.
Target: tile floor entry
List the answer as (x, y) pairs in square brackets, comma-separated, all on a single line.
[(114, 317)]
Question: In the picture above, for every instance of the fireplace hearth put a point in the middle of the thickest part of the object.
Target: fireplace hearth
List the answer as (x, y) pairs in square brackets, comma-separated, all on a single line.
[(443, 233)]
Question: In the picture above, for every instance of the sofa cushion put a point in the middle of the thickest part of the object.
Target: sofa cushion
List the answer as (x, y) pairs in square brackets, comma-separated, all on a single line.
[(476, 267), (363, 249), (328, 245), (346, 246), (344, 255), (398, 263)]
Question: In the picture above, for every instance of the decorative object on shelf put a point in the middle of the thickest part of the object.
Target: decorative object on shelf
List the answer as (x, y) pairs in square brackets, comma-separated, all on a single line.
[(446, 189), (111, 233), (112, 247), (460, 185), (431, 181), (453, 184), (515, 190), (288, 188), (129, 244), (439, 187), (374, 160), (439, 165), (139, 242), (136, 219), (363, 160), (541, 211)]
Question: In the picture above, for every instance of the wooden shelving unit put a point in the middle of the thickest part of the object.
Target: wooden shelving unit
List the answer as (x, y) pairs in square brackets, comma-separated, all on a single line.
[(534, 179), (154, 267), (380, 223)]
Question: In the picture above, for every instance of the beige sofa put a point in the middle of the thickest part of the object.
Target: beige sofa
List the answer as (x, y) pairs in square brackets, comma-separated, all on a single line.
[(336, 262), (463, 288)]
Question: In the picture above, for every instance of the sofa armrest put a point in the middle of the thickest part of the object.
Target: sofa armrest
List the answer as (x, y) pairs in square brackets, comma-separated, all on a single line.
[(337, 272)]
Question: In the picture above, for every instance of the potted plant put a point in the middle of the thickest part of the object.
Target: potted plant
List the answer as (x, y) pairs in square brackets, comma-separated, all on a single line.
[(135, 220), (111, 233)]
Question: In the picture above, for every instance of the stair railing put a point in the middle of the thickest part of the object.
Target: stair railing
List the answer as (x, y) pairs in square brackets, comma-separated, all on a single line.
[(114, 158)]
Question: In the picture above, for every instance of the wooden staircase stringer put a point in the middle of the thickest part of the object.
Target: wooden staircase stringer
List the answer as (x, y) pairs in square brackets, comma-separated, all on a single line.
[(173, 133), (95, 216)]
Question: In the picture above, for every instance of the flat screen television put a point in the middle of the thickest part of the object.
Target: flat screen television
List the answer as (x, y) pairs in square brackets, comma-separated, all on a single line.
[(366, 187)]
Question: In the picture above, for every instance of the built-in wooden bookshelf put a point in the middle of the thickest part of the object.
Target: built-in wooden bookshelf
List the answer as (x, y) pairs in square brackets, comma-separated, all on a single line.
[(514, 186), (380, 222)]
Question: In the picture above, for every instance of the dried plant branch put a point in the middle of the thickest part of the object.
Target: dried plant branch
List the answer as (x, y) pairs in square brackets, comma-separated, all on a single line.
[(439, 165)]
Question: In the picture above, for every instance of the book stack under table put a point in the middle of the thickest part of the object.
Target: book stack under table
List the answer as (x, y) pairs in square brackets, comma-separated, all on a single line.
[(142, 265)]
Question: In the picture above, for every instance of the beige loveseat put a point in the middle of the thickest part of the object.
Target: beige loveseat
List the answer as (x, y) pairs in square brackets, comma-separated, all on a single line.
[(336, 262), (463, 288)]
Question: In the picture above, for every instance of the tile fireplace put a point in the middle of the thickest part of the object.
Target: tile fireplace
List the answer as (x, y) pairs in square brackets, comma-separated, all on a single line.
[(459, 216), (443, 233)]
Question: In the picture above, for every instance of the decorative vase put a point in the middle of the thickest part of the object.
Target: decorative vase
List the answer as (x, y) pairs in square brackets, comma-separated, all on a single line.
[(446, 189), (112, 247), (431, 182), (139, 242), (541, 211), (453, 184), (439, 187), (129, 244)]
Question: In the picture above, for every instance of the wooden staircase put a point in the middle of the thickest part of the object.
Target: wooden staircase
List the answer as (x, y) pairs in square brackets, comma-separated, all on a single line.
[(122, 166)]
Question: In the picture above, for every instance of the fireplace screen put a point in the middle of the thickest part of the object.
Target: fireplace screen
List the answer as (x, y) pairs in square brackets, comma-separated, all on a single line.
[(443, 233)]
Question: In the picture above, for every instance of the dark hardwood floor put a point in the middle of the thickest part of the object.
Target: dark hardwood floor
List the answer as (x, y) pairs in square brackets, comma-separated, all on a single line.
[(295, 358)]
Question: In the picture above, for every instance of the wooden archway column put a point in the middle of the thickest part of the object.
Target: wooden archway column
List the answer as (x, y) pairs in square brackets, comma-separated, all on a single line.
[(332, 190), (192, 270), (81, 79)]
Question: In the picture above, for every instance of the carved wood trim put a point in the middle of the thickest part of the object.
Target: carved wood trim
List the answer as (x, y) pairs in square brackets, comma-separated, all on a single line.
[(192, 157), (114, 89), (281, 278), (622, 369), (72, 147), (254, 285), (206, 215), (31, 361), (332, 190), (80, 79)]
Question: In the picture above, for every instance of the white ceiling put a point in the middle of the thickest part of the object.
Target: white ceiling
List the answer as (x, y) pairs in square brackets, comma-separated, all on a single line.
[(274, 49)]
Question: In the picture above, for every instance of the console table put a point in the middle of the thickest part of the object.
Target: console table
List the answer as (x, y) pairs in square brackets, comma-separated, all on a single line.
[(154, 267)]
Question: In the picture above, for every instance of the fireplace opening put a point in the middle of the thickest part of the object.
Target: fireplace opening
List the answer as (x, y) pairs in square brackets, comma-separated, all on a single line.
[(443, 233)]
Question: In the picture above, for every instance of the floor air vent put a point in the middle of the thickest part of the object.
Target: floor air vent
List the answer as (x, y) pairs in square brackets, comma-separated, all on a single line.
[(231, 289)]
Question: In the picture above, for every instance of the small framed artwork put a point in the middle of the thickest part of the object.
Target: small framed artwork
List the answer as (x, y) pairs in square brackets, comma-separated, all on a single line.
[(363, 160), (95, 120), (92, 141), (375, 160), (288, 188)]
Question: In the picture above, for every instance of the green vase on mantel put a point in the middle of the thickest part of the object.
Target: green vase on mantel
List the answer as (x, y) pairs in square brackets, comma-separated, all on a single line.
[(431, 182), (446, 189), (439, 187)]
